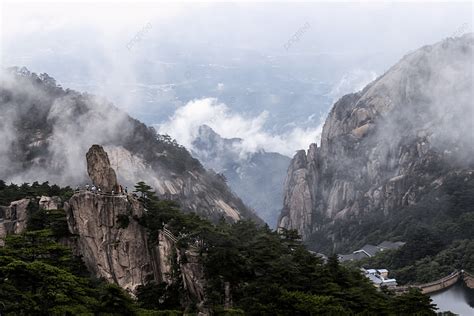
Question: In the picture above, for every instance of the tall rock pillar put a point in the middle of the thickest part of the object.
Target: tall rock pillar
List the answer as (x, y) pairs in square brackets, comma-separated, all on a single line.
[(100, 171)]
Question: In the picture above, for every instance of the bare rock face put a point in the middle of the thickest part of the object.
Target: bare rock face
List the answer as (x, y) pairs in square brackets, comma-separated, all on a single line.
[(100, 171), (118, 254), (190, 266), (196, 191), (113, 244), (13, 219), (50, 202), (49, 146), (386, 146), (298, 200), (192, 273), (122, 254)]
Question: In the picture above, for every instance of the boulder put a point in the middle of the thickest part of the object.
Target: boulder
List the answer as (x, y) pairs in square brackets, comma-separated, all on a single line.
[(49, 203), (13, 218), (100, 171)]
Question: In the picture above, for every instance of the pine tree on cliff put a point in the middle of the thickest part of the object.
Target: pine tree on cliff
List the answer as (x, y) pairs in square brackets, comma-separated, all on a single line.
[(145, 190)]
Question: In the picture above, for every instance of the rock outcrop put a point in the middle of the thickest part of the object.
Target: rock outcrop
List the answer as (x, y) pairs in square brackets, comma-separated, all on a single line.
[(100, 171), (121, 253), (386, 146), (204, 193), (118, 254), (54, 127), (192, 273), (13, 219), (114, 246), (298, 199), (49, 203)]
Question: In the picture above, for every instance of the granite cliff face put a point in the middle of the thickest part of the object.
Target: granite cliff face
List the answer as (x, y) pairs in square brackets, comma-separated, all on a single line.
[(114, 246), (122, 254), (385, 147), (13, 219), (299, 195), (100, 171), (50, 203), (117, 254), (45, 131)]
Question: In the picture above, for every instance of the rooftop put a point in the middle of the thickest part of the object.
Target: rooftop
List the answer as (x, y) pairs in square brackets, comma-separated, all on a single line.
[(391, 245), (370, 250), (376, 277)]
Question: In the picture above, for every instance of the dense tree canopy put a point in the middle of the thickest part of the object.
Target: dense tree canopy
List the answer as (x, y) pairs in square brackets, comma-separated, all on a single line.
[(13, 192), (266, 272), (249, 269), (438, 231), (41, 277)]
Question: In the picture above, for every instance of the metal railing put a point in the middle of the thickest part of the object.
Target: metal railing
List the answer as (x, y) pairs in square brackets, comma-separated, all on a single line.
[(175, 239), (440, 282), (108, 194)]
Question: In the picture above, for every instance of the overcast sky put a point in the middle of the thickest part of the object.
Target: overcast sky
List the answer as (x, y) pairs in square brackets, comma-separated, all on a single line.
[(30, 28), (97, 41)]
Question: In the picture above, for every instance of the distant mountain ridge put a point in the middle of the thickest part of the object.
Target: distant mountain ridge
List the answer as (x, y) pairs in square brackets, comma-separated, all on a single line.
[(46, 130), (256, 177)]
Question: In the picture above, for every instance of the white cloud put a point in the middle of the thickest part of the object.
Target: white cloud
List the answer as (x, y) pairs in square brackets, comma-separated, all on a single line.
[(183, 126)]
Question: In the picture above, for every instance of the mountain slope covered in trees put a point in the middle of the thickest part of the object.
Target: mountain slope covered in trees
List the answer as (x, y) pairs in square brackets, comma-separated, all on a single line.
[(265, 273), (45, 131)]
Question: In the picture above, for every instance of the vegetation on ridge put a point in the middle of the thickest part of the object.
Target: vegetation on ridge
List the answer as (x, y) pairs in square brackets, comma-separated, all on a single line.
[(268, 273), (438, 232)]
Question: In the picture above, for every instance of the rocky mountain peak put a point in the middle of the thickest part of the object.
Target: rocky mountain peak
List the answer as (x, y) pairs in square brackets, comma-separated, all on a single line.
[(208, 142), (385, 147), (256, 177), (53, 128), (206, 131), (121, 251), (299, 160), (100, 170)]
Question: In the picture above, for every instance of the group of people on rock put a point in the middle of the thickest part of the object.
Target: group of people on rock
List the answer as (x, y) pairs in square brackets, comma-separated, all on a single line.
[(121, 190), (97, 189)]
